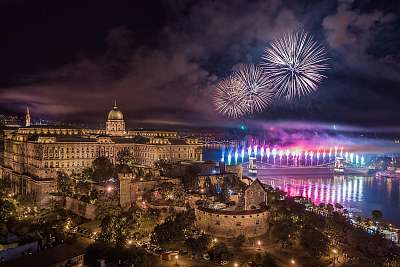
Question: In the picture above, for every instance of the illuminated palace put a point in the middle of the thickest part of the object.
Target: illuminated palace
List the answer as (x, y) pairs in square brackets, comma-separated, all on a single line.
[(35, 153)]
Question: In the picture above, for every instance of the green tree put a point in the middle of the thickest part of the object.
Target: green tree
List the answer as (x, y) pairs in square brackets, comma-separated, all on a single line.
[(115, 230), (124, 157), (173, 227), (106, 208), (283, 231), (103, 169), (377, 215), (5, 186), (314, 241), (198, 245), (93, 195), (338, 206), (219, 252), (87, 174), (268, 261), (129, 256), (64, 183), (239, 241), (7, 210)]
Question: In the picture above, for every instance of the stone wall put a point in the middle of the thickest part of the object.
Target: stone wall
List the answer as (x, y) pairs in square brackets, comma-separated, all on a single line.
[(83, 209), (229, 224)]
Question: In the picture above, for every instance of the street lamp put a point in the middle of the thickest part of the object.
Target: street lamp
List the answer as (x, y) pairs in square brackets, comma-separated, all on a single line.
[(176, 258), (236, 264), (292, 261), (335, 252), (258, 245)]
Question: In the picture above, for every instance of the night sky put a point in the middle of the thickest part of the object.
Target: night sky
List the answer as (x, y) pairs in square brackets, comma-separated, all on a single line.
[(69, 60)]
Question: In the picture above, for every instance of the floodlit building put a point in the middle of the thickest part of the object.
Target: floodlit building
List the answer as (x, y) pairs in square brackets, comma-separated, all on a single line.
[(34, 154)]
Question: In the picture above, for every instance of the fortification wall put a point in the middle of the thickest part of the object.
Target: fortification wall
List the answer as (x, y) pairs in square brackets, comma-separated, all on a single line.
[(222, 223)]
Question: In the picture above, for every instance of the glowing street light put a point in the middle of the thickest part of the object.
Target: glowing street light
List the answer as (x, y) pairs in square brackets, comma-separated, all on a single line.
[(292, 261), (236, 264), (109, 189)]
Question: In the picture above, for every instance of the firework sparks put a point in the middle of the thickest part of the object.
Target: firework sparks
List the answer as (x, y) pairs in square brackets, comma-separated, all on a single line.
[(294, 64), (256, 90), (228, 98)]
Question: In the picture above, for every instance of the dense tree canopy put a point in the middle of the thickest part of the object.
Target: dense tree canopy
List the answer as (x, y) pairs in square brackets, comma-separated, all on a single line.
[(103, 169)]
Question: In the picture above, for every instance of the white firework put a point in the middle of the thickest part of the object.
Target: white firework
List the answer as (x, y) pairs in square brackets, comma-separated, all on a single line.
[(256, 90), (295, 64), (228, 98)]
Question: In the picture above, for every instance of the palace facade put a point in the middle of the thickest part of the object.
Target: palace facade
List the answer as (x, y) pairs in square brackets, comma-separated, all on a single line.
[(34, 154)]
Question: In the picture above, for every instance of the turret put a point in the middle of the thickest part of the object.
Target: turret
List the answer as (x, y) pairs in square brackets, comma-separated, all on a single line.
[(27, 117)]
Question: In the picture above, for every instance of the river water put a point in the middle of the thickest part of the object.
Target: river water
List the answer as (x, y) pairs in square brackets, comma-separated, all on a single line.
[(359, 194)]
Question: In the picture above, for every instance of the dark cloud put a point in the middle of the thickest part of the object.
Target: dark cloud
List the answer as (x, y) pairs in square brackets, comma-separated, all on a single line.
[(166, 75)]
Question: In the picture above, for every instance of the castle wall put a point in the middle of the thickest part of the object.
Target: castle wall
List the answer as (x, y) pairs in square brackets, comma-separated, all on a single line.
[(229, 224)]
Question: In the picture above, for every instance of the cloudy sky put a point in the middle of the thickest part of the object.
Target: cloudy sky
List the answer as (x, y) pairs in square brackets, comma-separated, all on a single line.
[(69, 60)]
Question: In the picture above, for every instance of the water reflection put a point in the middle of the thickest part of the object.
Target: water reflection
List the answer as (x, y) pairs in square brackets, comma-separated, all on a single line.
[(357, 193)]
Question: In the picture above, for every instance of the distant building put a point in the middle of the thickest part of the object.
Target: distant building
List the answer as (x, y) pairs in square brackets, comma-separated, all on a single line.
[(115, 124), (33, 155), (27, 118)]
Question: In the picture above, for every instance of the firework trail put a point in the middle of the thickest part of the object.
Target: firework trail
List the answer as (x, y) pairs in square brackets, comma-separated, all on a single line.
[(255, 87), (228, 98), (294, 64)]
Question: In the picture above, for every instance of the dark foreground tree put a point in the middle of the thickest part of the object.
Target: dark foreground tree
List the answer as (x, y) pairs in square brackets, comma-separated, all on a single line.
[(7, 210), (376, 215), (103, 169), (239, 241), (268, 261), (64, 183), (313, 241), (219, 252), (128, 256), (198, 245)]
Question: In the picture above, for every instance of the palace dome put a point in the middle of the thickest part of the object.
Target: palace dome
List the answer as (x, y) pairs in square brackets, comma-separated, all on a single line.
[(115, 114)]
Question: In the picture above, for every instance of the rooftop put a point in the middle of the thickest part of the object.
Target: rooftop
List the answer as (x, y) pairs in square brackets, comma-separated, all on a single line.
[(50, 256)]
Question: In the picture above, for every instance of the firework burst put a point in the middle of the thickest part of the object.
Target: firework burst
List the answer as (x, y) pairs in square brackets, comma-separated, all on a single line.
[(228, 98), (294, 64), (254, 87)]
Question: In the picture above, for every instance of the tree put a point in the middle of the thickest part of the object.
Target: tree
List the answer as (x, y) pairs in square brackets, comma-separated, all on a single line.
[(198, 245), (173, 227), (281, 231), (338, 206), (239, 241), (115, 230), (87, 174), (7, 210), (329, 208), (222, 193), (64, 183), (124, 157), (219, 252), (5, 185), (268, 261), (103, 169), (376, 215), (130, 256), (106, 208), (93, 195), (314, 241)]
